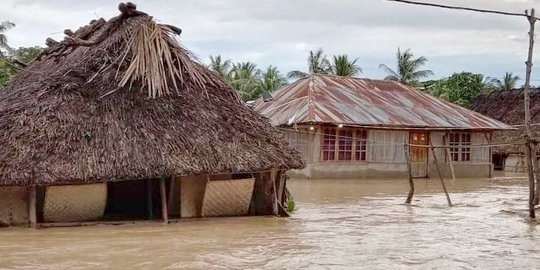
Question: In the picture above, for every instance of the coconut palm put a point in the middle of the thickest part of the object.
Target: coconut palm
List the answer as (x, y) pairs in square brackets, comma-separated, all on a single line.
[(271, 80), (245, 78), (220, 66), (508, 82), (407, 70), (343, 66), (317, 63), (4, 26)]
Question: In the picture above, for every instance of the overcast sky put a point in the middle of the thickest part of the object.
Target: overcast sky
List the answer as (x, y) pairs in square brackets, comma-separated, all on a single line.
[(281, 33)]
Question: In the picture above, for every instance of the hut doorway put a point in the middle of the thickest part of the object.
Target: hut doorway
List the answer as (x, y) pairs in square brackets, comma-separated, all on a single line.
[(419, 155), (133, 200), (499, 162)]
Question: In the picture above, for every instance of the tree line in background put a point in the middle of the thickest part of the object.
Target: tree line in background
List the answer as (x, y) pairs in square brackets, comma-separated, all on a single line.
[(251, 82)]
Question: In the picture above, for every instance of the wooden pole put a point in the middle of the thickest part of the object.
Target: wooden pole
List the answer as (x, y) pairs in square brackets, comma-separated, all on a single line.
[(439, 173), (409, 170), (163, 193), (32, 216), (273, 177), (532, 170)]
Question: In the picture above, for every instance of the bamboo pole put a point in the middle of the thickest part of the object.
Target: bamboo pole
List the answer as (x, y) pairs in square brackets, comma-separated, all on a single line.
[(409, 170), (32, 216), (439, 174), (163, 195), (531, 168)]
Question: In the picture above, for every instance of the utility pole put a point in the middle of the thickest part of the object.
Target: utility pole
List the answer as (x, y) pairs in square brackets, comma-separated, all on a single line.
[(530, 145)]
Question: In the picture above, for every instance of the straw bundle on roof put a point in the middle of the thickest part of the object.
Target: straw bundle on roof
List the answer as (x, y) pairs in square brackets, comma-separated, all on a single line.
[(120, 99)]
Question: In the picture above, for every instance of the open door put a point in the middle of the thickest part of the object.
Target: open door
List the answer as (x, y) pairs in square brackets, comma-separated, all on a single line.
[(419, 155)]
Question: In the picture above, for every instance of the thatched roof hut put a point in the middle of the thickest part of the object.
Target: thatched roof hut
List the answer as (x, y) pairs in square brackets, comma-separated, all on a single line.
[(120, 99), (507, 107)]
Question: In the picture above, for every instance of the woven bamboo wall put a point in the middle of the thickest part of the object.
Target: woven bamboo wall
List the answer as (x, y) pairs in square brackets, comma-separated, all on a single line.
[(75, 203), (191, 195), (13, 206), (227, 197)]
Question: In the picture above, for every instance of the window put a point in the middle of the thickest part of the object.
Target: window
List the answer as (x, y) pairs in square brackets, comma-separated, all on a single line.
[(360, 142), (345, 139), (344, 144), (460, 149), (329, 144)]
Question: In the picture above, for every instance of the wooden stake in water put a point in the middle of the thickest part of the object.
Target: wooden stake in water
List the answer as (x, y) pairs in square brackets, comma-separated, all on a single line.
[(526, 100), (409, 170), (439, 173), (163, 195)]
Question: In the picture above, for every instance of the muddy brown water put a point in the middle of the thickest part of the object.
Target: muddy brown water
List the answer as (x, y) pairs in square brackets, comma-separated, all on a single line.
[(339, 224)]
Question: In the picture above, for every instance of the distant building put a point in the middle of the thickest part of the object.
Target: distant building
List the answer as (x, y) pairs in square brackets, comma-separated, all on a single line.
[(507, 106), (356, 128)]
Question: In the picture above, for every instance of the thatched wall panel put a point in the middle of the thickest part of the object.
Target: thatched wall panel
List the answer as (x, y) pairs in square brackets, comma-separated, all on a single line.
[(75, 203), (13, 206), (227, 197)]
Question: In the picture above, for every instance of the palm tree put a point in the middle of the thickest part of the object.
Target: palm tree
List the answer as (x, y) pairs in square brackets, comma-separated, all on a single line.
[(343, 66), (508, 82), (407, 71), (245, 78), (317, 63), (220, 66), (271, 80), (4, 26)]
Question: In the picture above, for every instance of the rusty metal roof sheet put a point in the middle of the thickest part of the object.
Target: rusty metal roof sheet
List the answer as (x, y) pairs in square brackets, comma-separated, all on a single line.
[(364, 102)]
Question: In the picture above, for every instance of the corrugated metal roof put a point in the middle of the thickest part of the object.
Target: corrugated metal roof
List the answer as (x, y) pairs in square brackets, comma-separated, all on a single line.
[(364, 102)]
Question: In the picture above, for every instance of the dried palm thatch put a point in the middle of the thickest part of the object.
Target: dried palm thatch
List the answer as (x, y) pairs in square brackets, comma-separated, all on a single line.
[(120, 99), (507, 107)]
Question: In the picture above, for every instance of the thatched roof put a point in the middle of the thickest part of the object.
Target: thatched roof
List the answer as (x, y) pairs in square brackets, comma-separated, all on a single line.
[(119, 100), (507, 107)]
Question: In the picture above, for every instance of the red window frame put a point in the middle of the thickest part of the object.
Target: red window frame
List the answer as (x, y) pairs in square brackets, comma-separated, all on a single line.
[(344, 144)]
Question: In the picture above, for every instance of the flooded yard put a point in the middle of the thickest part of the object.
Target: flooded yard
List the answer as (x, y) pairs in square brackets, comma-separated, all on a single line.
[(339, 224)]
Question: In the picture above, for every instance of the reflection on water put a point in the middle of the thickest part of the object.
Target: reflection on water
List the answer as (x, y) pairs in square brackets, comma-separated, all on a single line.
[(345, 224)]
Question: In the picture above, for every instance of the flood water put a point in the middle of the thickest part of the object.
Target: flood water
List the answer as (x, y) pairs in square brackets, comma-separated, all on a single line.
[(344, 224)]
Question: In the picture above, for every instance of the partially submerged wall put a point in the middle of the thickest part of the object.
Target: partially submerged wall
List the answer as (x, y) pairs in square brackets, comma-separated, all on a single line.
[(13, 206), (386, 157)]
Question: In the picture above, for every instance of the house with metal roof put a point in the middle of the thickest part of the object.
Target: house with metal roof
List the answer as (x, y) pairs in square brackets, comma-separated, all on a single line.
[(358, 128)]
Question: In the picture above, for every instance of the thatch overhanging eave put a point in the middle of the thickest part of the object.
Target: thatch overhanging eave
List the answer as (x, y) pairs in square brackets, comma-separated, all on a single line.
[(507, 107), (65, 120)]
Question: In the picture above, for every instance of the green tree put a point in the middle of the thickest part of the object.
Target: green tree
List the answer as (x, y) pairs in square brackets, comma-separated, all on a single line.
[(460, 88), (220, 66), (4, 26), (317, 64), (245, 78), (9, 66), (508, 82), (343, 66), (407, 69), (271, 80)]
